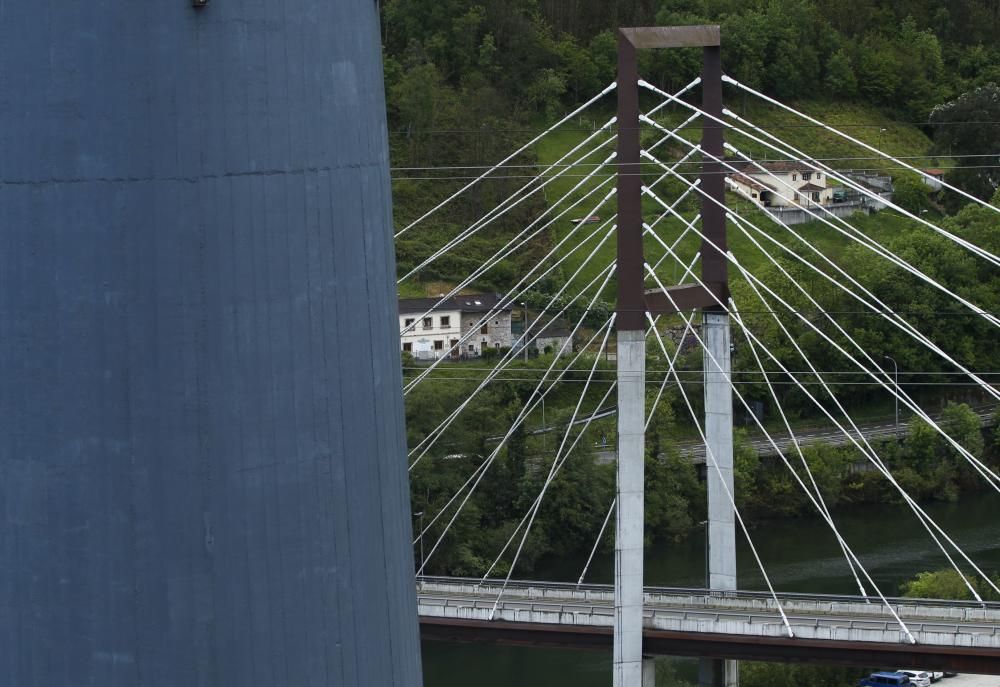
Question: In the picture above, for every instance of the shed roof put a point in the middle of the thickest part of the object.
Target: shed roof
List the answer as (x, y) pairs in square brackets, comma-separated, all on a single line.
[(750, 181)]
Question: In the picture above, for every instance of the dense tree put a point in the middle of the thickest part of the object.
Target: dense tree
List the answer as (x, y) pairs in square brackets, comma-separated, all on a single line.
[(947, 584), (969, 127)]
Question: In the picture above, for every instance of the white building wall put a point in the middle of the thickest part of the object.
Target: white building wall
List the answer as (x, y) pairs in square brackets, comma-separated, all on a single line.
[(431, 340), (785, 186)]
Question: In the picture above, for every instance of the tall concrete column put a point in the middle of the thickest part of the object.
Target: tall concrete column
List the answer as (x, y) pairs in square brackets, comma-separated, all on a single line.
[(721, 516), (202, 455), (630, 324), (628, 661)]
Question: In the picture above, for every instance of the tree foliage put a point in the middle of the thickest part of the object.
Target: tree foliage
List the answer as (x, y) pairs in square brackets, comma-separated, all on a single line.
[(969, 126)]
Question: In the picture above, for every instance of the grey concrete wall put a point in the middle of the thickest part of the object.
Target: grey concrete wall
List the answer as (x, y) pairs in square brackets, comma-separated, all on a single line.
[(202, 476)]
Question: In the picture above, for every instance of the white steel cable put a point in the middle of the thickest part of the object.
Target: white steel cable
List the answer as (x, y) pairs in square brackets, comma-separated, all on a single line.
[(607, 89), (711, 456), (527, 409), (866, 241), (857, 186), (885, 312), (894, 389), (510, 356), (511, 296), (509, 248), (611, 387), (870, 453), (848, 552), (510, 539), (522, 414), (552, 470), (879, 307), (820, 501), (983, 253), (600, 535), (864, 145), (500, 210), (822, 504), (687, 327), (859, 237)]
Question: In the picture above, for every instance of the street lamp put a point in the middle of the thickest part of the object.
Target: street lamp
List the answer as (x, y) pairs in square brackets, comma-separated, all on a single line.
[(421, 537), (895, 372), (880, 132), (524, 334)]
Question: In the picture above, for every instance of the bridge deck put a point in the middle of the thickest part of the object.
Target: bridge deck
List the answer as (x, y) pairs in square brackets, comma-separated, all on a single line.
[(841, 629)]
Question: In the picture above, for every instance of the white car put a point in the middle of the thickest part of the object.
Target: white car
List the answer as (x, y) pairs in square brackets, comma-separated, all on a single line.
[(935, 675), (917, 677)]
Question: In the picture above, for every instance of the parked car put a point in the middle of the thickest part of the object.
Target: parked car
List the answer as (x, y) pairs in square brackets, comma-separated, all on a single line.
[(919, 678), (935, 675), (885, 679), (948, 673)]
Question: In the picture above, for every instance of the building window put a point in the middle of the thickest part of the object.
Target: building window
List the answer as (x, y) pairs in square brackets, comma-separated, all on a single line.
[(795, 177), (438, 345), (428, 323), (408, 347), (806, 176), (445, 321), (816, 196), (408, 321), (753, 195), (496, 345), (472, 348), (496, 321), (819, 175), (485, 329)]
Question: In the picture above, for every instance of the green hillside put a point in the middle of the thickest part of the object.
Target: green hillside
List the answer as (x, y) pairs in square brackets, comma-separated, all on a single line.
[(865, 123)]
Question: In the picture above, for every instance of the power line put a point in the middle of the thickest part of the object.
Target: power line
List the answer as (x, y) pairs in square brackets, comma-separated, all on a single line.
[(522, 130), (621, 174), (763, 161)]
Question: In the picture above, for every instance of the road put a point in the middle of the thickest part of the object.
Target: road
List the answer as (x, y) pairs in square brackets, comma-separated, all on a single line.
[(872, 431)]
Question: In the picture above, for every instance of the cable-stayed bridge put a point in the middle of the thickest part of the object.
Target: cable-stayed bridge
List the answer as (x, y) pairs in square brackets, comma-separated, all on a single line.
[(702, 282), (951, 635)]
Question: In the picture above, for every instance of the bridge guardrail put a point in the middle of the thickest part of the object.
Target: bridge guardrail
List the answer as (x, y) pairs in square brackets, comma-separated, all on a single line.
[(712, 593), (605, 610)]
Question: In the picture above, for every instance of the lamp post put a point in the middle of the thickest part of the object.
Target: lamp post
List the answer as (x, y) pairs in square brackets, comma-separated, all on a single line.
[(421, 516), (880, 132), (895, 372)]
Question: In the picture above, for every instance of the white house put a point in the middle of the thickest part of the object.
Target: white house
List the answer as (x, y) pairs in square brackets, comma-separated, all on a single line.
[(431, 331), (933, 179), (786, 183)]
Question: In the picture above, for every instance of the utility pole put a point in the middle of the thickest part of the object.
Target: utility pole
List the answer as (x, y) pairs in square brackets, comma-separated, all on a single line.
[(633, 304)]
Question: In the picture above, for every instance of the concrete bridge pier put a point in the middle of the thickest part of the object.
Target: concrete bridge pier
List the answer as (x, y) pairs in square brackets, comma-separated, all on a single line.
[(648, 671), (721, 515)]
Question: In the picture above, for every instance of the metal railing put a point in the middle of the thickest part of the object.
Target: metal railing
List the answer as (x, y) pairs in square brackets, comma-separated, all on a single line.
[(749, 595), (683, 615)]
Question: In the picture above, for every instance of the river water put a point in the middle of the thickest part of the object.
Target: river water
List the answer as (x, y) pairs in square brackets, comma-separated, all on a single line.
[(800, 555)]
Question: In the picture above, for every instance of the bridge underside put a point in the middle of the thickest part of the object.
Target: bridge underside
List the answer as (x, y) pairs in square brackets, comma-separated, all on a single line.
[(700, 644)]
